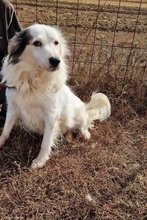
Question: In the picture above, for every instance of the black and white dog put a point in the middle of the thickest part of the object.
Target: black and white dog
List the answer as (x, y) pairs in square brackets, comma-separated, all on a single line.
[(35, 73)]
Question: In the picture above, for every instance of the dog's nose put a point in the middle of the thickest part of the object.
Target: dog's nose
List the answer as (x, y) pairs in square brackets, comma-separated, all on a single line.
[(54, 62)]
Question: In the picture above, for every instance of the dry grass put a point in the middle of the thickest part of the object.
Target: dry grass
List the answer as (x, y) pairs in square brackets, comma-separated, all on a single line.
[(104, 178)]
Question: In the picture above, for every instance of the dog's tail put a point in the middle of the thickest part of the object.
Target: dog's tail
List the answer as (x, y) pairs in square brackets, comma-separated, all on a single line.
[(98, 108)]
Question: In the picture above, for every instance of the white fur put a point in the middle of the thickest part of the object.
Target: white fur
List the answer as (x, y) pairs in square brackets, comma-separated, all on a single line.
[(41, 97)]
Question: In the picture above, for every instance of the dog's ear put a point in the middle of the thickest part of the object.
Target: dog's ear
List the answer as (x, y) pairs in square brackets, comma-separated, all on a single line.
[(17, 45), (64, 50), (63, 47)]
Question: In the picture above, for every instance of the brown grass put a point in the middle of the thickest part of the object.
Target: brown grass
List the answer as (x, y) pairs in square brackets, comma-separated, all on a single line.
[(110, 167), (104, 178)]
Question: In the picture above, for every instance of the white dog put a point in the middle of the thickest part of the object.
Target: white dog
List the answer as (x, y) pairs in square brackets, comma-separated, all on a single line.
[(35, 74)]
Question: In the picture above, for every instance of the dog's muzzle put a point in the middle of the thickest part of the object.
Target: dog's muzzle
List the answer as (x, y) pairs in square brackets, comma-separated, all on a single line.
[(54, 63)]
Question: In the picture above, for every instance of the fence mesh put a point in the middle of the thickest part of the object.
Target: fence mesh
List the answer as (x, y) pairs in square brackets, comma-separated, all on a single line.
[(108, 39)]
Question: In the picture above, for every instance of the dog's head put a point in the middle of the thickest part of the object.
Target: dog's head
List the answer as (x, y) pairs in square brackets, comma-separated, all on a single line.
[(38, 45)]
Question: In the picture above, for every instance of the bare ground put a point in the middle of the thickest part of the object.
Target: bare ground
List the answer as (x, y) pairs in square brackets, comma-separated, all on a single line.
[(104, 178), (113, 2)]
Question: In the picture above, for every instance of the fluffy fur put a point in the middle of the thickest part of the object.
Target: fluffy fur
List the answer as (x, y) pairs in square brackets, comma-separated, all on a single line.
[(35, 73)]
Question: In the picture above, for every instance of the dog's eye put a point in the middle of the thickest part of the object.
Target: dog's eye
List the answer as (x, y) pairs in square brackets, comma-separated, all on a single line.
[(37, 43), (56, 42)]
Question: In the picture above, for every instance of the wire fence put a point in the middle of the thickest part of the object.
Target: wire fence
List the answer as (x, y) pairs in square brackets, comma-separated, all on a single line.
[(107, 38)]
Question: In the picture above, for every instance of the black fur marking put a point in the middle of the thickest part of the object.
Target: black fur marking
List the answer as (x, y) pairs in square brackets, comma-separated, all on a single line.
[(22, 39)]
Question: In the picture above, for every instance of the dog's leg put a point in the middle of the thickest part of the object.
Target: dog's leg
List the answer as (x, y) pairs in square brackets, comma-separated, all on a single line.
[(83, 126), (9, 123), (47, 143), (86, 134)]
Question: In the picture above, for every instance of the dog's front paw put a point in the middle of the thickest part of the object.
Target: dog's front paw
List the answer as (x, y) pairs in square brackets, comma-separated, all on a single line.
[(39, 163), (86, 134), (2, 140)]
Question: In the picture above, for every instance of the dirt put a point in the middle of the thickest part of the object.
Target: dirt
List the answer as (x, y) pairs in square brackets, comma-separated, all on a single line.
[(106, 177), (130, 3)]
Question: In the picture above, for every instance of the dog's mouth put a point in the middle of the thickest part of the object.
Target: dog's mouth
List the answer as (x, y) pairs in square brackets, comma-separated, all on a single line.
[(52, 69)]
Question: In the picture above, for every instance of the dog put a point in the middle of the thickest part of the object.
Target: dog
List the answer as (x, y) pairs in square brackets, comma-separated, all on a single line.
[(35, 72)]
